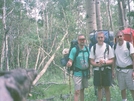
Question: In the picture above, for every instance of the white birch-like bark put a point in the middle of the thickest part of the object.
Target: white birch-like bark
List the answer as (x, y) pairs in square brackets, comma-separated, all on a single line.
[(109, 15), (91, 15), (98, 15), (4, 53)]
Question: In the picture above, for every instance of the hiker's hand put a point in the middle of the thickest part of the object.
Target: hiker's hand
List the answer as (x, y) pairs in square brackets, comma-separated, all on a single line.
[(102, 62), (98, 64), (113, 75), (69, 63)]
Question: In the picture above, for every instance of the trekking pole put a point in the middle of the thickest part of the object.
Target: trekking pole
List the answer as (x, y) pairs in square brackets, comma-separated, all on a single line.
[(69, 83), (101, 81)]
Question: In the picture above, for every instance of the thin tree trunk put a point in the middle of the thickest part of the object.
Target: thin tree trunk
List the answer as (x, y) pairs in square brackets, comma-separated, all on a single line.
[(6, 50), (128, 3), (124, 13), (27, 56), (37, 59), (106, 20), (18, 56), (3, 54), (109, 14), (121, 15), (4, 57), (98, 15), (91, 15)]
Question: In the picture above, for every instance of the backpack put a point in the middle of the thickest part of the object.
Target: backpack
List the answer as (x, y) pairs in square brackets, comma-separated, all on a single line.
[(129, 35), (64, 60), (109, 37)]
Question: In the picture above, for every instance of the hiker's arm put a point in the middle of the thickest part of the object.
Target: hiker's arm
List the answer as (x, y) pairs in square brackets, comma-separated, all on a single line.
[(69, 63), (109, 61), (132, 55), (113, 67)]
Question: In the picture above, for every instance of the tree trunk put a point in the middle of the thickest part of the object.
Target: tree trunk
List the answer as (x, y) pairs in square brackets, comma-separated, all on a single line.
[(124, 13), (91, 15), (128, 3), (27, 56), (18, 56), (98, 15), (7, 52), (109, 14), (121, 15), (37, 59), (4, 57)]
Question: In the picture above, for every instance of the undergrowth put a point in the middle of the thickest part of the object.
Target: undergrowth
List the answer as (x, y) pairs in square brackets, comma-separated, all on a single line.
[(53, 86)]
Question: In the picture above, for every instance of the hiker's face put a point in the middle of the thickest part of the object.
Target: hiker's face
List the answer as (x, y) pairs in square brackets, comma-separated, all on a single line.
[(120, 37), (100, 38), (81, 40)]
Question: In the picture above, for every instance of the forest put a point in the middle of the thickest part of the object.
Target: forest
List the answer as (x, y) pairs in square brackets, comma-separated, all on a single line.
[(33, 34)]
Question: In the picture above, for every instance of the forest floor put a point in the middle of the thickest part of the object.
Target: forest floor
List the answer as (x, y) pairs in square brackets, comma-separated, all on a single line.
[(62, 90)]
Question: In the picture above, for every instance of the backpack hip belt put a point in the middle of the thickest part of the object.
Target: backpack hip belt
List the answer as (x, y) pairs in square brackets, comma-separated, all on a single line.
[(78, 69), (82, 70), (128, 67), (102, 68)]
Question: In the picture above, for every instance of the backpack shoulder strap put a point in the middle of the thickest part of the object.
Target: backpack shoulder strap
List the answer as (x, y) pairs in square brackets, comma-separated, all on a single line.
[(94, 48), (77, 52), (87, 49), (115, 46), (107, 48), (128, 45)]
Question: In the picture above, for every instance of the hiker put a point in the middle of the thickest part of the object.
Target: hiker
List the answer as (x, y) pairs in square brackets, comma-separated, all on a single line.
[(124, 61), (101, 57), (81, 67)]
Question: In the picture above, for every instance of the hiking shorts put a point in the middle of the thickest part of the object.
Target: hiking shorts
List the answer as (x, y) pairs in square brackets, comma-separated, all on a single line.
[(102, 78), (125, 80), (80, 82)]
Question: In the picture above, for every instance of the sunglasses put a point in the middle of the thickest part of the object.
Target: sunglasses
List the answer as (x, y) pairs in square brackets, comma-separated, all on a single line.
[(100, 37), (82, 39), (119, 36)]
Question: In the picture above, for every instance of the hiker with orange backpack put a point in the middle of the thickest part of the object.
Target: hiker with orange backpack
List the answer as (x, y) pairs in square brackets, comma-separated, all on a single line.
[(124, 62)]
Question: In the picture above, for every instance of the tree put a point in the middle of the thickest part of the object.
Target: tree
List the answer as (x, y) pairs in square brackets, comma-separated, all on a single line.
[(121, 14), (91, 15), (98, 15)]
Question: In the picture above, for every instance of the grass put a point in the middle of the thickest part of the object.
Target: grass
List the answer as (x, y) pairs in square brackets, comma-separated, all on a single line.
[(55, 85)]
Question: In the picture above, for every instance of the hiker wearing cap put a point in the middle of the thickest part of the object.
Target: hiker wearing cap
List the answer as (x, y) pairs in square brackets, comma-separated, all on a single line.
[(124, 62), (101, 57), (80, 67)]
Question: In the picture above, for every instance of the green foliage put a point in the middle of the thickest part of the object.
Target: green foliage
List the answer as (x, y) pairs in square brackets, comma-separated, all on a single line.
[(48, 91), (131, 14), (55, 89)]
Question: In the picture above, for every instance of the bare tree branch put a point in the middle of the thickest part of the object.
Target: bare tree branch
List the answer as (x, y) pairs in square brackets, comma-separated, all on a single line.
[(50, 60)]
